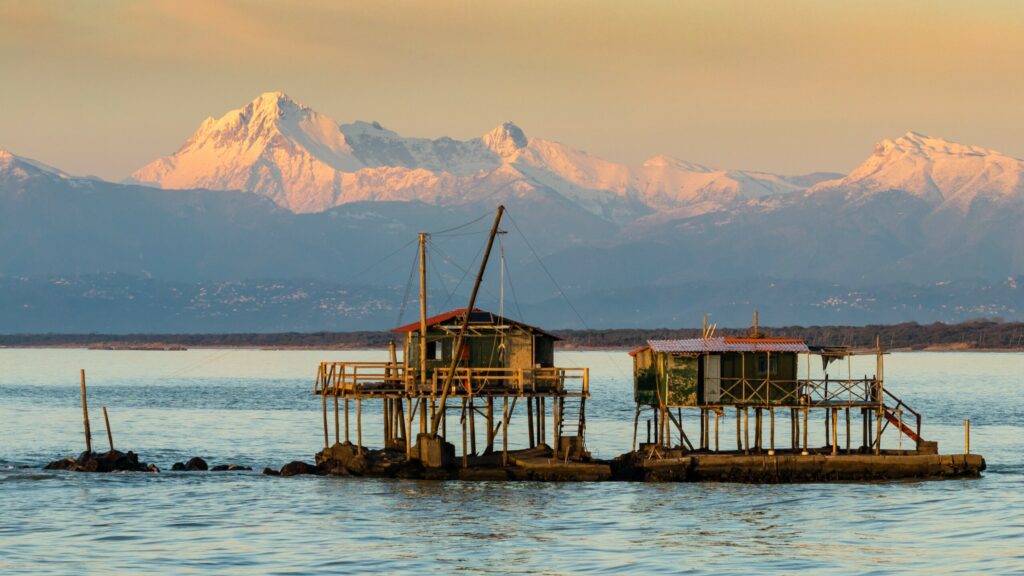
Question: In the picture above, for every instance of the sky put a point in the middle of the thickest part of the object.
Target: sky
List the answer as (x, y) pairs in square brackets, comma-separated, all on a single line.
[(105, 86)]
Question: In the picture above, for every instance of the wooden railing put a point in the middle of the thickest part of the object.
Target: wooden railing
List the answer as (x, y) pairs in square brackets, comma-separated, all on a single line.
[(345, 378), (354, 378), (804, 392)]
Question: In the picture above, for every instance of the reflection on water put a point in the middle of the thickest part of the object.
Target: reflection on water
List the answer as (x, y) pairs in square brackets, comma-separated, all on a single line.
[(256, 408)]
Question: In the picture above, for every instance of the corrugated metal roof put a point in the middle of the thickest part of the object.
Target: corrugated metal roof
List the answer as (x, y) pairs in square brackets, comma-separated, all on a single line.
[(700, 345)]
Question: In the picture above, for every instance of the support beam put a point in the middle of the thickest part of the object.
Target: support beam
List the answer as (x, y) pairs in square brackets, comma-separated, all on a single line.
[(457, 348)]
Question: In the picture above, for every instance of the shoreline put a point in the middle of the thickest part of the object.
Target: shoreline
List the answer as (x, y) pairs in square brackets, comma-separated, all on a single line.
[(146, 347)]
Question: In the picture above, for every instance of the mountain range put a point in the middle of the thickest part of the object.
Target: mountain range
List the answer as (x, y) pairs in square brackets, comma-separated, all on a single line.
[(278, 194)]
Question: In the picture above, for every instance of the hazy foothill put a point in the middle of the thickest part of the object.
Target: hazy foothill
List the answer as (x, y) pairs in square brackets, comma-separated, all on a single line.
[(275, 218)]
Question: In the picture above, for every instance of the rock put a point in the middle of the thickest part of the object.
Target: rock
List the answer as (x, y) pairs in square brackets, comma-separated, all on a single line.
[(196, 463), (64, 464), (298, 467), (271, 472), (112, 461), (229, 468), (178, 466), (153, 468)]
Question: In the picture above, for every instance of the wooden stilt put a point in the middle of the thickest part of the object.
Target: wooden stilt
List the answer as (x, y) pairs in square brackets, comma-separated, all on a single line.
[(88, 432), (878, 432), (408, 427), (746, 431), (400, 416), (110, 435), (702, 431), (716, 431), (835, 434), (384, 404), (465, 454), (346, 420), (423, 415), (636, 423), (337, 425), (490, 426), (771, 425), (472, 427), (529, 420), (504, 431), (359, 425), (444, 419), (806, 411), (543, 415), (739, 429), (847, 430)]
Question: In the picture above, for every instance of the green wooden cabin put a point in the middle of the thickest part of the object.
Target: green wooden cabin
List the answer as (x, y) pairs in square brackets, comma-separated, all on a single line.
[(717, 372)]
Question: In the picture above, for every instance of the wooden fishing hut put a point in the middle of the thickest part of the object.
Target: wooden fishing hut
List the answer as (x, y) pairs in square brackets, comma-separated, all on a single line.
[(762, 375), (464, 362)]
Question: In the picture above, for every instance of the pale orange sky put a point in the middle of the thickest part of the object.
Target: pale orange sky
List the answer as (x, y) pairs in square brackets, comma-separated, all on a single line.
[(102, 87)]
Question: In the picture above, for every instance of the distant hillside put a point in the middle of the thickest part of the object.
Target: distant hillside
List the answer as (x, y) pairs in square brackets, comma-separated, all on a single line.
[(975, 335)]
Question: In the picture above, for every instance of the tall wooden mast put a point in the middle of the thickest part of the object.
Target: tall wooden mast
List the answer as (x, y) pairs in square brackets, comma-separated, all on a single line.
[(457, 349), (423, 309)]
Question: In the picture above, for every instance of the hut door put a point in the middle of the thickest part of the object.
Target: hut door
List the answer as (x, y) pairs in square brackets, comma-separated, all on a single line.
[(712, 378)]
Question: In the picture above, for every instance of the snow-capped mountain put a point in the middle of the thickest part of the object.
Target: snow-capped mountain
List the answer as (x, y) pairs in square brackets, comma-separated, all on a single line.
[(936, 170), (307, 162), (15, 168)]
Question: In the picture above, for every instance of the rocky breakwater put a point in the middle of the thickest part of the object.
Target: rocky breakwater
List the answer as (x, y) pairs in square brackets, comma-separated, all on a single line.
[(112, 461)]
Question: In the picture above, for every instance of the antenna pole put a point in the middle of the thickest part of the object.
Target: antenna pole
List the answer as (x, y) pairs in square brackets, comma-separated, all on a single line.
[(423, 309), (457, 349)]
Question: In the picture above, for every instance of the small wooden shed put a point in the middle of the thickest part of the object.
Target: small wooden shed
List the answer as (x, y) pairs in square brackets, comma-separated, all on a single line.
[(716, 371), (491, 341)]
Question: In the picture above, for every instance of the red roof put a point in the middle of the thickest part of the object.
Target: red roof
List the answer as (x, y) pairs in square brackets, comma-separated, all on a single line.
[(477, 317)]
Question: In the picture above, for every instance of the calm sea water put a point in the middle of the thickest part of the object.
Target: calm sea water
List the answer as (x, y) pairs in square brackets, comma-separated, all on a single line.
[(256, 408)]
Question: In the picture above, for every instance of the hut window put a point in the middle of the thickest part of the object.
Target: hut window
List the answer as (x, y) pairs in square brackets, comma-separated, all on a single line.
[(763, 365), (433, 351)]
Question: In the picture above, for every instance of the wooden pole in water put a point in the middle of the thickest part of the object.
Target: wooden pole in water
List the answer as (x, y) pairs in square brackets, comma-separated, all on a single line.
[(387, 420), (323, 398), (444, 419), (346, 420), (110, 435), (967, 436), (85, 414)]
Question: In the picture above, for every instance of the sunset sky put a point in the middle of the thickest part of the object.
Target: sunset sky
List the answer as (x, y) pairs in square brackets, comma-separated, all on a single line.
[(103, 87)]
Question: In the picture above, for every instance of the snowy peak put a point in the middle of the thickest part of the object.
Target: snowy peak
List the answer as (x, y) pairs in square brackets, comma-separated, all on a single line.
[(506, 140), (935, 169), (21, 168)]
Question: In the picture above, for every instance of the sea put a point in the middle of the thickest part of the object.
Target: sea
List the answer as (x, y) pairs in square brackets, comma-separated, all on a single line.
[(256, 408)]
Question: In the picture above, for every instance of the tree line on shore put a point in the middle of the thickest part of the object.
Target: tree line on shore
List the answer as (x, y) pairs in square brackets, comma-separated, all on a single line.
[(972, 335)]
